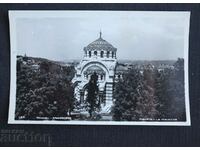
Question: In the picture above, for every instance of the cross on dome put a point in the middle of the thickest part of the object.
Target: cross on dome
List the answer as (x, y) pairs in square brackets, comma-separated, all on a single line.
[(100, 34)]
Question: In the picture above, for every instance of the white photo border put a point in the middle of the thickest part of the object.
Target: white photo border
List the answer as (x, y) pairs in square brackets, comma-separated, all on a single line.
[(13, 15)]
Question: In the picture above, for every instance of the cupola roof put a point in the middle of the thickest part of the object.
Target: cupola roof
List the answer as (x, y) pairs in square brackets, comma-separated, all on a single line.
[(100, 44)]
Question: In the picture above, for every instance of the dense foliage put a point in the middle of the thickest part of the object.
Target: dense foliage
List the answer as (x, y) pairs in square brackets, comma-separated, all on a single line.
[(43, 90), (151, 94)]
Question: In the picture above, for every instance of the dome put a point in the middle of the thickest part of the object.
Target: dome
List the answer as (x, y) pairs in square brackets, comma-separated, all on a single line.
[(100, 44)]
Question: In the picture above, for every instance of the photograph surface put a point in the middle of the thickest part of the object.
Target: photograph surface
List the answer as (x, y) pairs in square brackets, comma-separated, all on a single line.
[(99, 67)]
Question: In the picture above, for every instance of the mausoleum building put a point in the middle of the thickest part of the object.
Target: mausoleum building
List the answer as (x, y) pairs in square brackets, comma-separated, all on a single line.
[(99, 57)]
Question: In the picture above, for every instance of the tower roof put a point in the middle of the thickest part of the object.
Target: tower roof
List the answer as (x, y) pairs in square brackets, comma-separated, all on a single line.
[(100, 44)]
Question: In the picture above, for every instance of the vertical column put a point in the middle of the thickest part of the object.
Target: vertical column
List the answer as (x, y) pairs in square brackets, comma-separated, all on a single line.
[(98, 54), (104, 54), (109, 92), (99, 77), (77, 93), (92, 53)]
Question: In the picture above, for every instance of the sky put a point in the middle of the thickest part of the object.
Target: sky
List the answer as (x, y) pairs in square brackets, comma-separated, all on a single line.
[(136, 35)]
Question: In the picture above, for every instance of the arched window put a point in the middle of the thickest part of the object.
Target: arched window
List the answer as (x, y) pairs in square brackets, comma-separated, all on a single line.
[(95, 53), (119, 76), (108, 53), (112, 54), (89, 53), (101, 77), (101, 54), (86, 53)]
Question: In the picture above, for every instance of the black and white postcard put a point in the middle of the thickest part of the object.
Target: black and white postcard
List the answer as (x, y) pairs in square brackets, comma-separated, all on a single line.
[(99, 67)]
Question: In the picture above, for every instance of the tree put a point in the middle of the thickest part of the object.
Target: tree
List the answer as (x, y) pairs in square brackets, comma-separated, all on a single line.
[(170, 92), (125, 93), (135, 98), (92, 94), (46, 92), (146, 106)]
